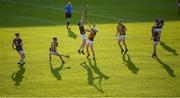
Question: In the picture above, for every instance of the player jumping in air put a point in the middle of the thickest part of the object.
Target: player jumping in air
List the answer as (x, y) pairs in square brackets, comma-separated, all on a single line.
[(93, 30), (159, 23), (17, 45), (53, 50), (155, 38), (83, 36), (121, 30), (68, 13)]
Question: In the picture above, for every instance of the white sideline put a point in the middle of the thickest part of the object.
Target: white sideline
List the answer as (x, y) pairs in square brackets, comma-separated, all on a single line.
[(39, 20), (55, 8)]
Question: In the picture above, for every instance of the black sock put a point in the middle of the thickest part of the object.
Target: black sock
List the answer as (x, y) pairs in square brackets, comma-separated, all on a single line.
[(68, 24)]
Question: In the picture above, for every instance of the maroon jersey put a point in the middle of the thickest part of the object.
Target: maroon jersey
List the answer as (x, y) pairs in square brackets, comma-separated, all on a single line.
[(121, 29), (53, 46), (159, 23), (81, 29), (18, 43), (155, 36)]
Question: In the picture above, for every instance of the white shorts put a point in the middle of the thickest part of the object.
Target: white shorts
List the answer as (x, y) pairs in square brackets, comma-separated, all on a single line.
[(156, 42), (53, 53), (90, 42), (122, 37), (158, 30), (83, 36), (21, 52)]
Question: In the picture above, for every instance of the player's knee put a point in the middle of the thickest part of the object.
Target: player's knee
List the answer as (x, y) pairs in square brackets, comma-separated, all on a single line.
[(84, 42)]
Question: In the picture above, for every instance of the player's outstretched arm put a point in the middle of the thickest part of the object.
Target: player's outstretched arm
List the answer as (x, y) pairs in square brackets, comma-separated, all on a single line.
[(82, 17)]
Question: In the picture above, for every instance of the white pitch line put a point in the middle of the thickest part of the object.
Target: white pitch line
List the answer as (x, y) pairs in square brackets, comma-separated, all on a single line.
[(39, 20), (55, 8)]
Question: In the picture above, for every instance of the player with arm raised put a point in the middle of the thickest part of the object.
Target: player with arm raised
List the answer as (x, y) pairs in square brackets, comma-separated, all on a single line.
[(83, 35), (121, 30), (92, 33)]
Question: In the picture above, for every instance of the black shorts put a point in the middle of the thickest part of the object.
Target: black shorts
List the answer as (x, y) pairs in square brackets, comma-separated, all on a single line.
[(68, 15), (19, 49)]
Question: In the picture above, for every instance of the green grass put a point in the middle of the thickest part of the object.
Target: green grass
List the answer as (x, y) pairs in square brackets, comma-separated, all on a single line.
[(140, 75)]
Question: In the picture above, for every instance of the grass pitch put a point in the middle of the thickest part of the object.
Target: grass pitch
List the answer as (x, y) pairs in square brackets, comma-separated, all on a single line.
[(134, 74)]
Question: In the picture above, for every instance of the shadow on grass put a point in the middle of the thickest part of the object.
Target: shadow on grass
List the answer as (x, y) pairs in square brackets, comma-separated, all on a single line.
[(169, 70), (71, 34), (56, 71), (129, 63), (168, 48), (94, 68), (18, 77)]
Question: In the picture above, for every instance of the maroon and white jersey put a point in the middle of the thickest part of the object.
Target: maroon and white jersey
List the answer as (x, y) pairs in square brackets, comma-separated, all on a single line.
[(18, 43), (159, 23), (155, 34), (82, 29), (53, 46)]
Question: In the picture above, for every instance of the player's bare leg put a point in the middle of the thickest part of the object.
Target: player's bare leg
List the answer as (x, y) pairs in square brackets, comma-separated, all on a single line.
[(81, 49), (61, 58), (119, 43), (154, 51), (92, 49), (67, 56), (83, 45), (22, 58), (87, 49), (125, 46)]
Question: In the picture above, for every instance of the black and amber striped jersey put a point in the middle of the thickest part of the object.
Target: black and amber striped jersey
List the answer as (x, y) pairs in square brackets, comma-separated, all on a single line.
[(92, 34), (121, 29), (53, 47)]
